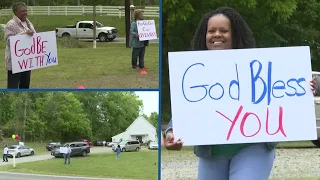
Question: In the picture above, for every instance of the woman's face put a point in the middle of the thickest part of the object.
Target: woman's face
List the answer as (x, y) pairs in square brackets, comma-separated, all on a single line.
[(219, 35), (140, 17), (22, 13)]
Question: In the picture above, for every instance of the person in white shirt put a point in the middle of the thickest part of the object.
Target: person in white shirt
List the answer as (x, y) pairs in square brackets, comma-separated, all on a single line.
[(104, 143), (5, 154), (67, 155)]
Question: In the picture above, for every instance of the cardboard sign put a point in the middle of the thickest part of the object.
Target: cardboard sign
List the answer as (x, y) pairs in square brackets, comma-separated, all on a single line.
[(147, 30), (33, 52), (242, 96)]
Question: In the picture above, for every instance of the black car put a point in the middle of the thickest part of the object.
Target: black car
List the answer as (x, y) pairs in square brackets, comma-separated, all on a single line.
[(53, 145), (77, 149), (98, 143)]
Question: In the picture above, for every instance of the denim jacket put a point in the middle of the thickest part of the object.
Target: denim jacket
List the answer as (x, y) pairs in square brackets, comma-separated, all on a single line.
[(204, 151)]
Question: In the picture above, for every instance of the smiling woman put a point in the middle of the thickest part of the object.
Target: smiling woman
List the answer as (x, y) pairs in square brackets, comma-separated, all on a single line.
[(18, 25)]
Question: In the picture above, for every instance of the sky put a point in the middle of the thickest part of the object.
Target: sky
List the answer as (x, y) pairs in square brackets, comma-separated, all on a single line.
[(150, 101)]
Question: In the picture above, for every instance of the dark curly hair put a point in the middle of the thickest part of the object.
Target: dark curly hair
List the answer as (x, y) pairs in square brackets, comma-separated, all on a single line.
[(242, 37)]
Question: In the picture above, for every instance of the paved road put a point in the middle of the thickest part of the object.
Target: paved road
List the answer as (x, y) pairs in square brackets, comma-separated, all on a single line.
[(22, 176), (48, 156), (119, 40)]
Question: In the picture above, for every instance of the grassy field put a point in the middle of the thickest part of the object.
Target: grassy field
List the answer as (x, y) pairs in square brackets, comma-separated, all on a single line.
[(107, 66), (135, 165), (50, 23)]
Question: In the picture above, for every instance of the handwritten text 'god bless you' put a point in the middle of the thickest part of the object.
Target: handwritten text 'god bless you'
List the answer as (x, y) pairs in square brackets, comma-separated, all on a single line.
[(35, 55), (216, 91)]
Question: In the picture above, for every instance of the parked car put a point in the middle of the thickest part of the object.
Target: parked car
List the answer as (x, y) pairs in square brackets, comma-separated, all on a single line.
[(84, 140), (20, 151), (77, 149), (153, 145), (53, 145), (84, 30), (110, 144), (127, 146), (98, 143)]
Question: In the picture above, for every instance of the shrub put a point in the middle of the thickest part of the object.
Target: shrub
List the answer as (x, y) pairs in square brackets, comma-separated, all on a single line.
[(70, 43)]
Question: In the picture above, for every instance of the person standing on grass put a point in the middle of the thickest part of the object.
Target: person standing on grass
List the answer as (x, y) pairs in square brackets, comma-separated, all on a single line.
[(67, 155), (104, 143), (5, 154), (138, 47), (118, 150), (18, 25)]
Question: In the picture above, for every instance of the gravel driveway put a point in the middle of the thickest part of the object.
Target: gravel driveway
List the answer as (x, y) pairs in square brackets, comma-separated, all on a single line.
[(290, 163)]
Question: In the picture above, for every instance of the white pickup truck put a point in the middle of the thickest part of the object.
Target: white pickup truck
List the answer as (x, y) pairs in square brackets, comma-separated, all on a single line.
[(84, 30)]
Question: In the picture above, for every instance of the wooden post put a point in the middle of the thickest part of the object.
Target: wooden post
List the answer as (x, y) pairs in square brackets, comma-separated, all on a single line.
[(94, 27), (127, 21)]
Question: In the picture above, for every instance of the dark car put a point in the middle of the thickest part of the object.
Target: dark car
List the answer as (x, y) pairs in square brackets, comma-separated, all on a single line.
[(87, 141), (77, 149), (53, 145), (98, 143)]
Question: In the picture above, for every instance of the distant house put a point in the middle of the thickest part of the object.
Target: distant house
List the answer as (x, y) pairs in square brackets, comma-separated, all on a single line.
[(140, 129)]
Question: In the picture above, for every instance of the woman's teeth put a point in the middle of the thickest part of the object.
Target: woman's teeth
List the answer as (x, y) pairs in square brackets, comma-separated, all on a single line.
[(217, 43)]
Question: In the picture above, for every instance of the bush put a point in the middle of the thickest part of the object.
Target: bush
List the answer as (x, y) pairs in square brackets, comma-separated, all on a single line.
[(70, 43), (2, 42)]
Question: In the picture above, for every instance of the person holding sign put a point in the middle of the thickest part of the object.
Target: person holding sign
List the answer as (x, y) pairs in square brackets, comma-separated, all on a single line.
[(18, 25), (222, 29), (67, 154), (138, 47)]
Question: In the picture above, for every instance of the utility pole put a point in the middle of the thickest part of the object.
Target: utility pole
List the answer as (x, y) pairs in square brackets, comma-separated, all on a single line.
[(94, 27), (24, 119)]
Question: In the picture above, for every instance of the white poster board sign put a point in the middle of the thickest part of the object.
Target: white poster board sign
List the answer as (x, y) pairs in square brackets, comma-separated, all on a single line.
[(242, 96), (21, 143), (147, 30), (63, 150), (33, 52)]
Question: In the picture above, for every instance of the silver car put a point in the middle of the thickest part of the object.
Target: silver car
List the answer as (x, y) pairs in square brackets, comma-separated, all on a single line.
[(153, 145), (19, 151), (127, 146)]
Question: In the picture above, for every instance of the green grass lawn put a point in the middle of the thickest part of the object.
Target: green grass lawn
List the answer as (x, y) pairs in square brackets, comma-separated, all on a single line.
[(131, 165), (50, 23), (107, 66)]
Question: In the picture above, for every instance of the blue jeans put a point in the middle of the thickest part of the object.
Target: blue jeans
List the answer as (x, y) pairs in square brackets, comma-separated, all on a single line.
[(251, 163), (66, 156)]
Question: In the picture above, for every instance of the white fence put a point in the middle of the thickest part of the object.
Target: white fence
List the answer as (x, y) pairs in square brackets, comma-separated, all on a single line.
[(81, 10)]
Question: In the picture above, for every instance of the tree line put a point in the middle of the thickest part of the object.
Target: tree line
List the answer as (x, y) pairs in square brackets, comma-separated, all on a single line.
[(68, 116), (274, 24)]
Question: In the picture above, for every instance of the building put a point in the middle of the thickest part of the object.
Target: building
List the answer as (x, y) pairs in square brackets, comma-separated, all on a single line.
[(140, 129)]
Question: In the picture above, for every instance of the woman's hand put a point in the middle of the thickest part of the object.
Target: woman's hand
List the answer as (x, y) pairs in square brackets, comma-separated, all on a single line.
[(170, 143), (29, 32), (314, 86)]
